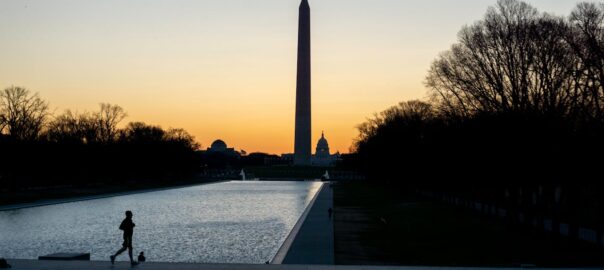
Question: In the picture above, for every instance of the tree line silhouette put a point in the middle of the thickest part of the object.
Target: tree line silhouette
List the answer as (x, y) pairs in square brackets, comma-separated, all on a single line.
[(39, 149), (520, 96), (513, 123)]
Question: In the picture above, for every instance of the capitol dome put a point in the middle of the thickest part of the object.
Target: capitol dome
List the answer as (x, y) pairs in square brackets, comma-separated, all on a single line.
[(218, 145), (322, 147)]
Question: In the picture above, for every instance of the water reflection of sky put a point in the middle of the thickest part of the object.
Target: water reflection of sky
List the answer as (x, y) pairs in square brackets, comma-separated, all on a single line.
[(230, 222)]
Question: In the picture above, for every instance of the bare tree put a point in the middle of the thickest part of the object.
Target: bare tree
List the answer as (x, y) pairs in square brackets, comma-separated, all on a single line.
[(22, 114), (514, 60), (587, 40), (183, 137), (108, 118), (139, 132), (410, 114), (63, 128), (74, 127)]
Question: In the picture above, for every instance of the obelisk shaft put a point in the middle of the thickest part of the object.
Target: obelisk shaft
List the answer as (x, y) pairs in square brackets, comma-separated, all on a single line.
[(302, 144)]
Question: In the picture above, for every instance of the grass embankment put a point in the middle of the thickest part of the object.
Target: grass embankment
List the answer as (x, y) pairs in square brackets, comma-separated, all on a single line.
[(375, 225), (69, 192)]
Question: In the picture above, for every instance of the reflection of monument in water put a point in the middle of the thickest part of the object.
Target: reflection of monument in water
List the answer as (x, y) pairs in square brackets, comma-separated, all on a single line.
[(302, 148)]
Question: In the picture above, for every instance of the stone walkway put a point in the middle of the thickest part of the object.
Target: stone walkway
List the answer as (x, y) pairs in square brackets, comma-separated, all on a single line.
[(314, 242)]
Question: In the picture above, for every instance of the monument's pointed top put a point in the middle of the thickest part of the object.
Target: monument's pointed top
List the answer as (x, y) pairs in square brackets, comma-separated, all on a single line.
[(322, 133)]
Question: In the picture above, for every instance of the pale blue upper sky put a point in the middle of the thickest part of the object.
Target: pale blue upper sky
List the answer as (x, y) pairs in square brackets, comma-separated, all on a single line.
[(226, 68)]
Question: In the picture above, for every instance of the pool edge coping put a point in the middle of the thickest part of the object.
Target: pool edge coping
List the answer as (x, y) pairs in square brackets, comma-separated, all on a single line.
[(287, 244)]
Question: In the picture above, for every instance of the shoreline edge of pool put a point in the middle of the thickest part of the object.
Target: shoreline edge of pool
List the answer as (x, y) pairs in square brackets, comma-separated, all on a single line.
[(282, 249)]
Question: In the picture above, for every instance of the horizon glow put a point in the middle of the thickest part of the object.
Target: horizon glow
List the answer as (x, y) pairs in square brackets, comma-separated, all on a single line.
[(226, 69)]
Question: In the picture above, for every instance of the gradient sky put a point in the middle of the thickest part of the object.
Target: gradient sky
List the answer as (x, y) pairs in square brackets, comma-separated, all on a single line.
[(226, 68)]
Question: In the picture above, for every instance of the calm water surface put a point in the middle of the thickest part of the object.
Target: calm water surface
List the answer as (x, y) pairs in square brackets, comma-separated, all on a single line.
[(229, 222)]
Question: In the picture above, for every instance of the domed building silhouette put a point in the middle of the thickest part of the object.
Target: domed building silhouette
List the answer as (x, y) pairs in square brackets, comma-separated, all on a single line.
[(322, 149), (322, 156), (219, 146)]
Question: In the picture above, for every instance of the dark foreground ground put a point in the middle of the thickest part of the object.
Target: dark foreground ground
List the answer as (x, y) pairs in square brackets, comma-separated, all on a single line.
[(95, 265), (376, 226)]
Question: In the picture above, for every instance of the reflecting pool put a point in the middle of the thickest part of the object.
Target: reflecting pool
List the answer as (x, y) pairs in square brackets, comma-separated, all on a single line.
[(227, 222)]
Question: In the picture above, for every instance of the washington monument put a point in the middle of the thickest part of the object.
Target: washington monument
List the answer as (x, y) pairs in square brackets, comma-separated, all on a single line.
[(302, 146)]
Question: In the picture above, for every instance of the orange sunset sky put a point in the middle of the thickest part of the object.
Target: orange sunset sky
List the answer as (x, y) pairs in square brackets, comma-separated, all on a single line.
[(226, 68)]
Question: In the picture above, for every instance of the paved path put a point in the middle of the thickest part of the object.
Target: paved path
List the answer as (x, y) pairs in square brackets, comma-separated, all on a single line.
[(97, 265), (314, 241)]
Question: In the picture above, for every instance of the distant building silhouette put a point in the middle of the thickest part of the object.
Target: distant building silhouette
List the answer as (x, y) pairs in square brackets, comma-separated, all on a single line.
[(219, 146), (322, 156), (302, 143), (322, 149)]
